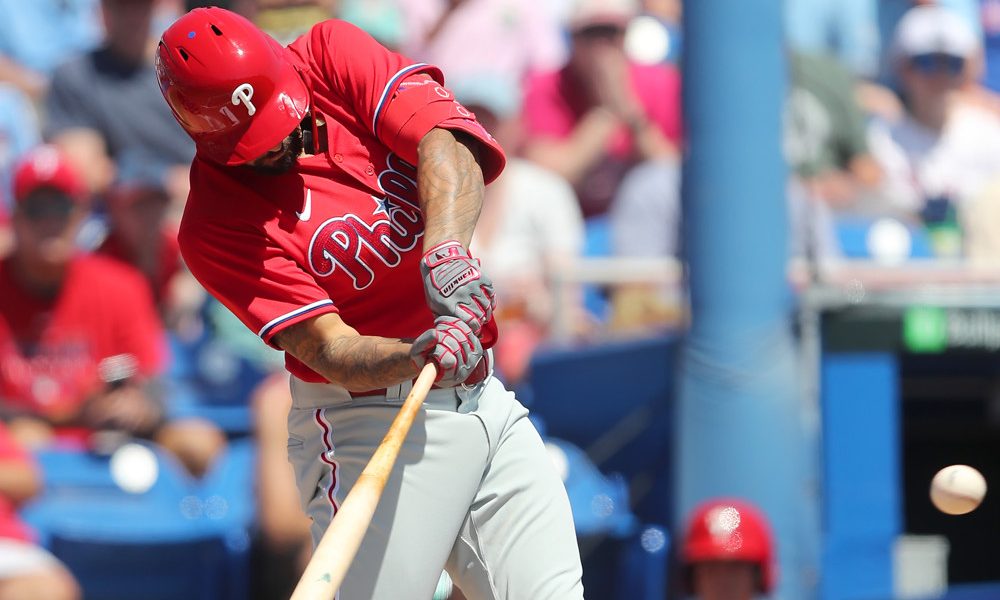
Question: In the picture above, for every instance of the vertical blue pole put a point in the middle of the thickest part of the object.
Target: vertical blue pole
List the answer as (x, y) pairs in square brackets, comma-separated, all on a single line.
[(739, 405)]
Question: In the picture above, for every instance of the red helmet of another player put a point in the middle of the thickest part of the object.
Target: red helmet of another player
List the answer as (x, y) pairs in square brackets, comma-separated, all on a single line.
[(730, 530), (229, 84)]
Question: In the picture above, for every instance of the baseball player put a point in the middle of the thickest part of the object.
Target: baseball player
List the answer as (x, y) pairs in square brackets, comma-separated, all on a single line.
[(333, 197)]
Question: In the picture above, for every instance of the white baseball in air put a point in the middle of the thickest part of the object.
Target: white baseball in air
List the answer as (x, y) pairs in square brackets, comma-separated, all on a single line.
[(134, 468), (958, 489), (889, 241)]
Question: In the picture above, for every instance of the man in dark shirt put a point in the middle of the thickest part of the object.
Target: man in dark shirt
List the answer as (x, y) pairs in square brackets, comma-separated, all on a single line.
[(109, 97)]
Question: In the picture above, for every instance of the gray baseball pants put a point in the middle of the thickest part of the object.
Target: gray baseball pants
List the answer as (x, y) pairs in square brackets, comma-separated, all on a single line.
[(473, 491)]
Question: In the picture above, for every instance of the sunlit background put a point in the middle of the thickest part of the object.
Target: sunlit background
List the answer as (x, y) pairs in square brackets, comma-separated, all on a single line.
[(747, 257)]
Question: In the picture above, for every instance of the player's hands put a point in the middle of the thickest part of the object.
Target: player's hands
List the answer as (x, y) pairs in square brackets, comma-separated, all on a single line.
[(452, 346), (455, 285)]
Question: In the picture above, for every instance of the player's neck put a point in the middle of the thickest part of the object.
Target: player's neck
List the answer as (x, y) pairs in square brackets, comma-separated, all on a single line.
[(313, 144)]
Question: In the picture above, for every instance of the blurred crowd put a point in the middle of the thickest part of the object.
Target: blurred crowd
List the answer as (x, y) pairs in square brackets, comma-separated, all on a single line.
[(892, 117)]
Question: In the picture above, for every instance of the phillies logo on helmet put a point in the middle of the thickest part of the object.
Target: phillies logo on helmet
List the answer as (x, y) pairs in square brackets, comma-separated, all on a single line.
[(244, 93), (350, 244)]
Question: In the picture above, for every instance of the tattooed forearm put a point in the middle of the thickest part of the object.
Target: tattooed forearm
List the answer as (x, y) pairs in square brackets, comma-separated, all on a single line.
[(366, 363), (451, 187), (358, 363)]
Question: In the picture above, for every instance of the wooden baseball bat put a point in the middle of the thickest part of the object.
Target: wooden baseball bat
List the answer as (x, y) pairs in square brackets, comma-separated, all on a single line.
[(340, 542)]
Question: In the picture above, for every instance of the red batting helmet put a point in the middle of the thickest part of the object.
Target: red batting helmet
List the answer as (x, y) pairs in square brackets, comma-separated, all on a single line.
[(730, 530), (229, 84)]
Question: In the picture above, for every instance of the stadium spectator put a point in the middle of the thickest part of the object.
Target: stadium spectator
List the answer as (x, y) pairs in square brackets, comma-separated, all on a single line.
[(825, 132), (529, 229), (644, 219), (105, 104), (513, 37), (890, 12), (944, 150), (37, 36), (141, 232), (19, 132), (137, 232), (80, 341), (601, 115), (727, 552), (26, 569)]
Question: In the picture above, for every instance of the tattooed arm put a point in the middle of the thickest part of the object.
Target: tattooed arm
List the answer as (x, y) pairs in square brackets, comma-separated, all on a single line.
[(335, 350), (451, 187), (450, 183)]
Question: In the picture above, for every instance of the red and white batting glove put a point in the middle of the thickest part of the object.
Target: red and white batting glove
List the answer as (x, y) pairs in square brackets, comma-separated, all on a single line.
[(455, 285), (451, 346)]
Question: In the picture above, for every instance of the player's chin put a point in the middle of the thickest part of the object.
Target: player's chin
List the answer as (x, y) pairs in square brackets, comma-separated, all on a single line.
[(284, 159), (278, 165)]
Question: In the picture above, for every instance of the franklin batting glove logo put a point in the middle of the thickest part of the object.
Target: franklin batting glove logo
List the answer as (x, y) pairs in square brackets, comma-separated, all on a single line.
[(455, 280), (244, 93)]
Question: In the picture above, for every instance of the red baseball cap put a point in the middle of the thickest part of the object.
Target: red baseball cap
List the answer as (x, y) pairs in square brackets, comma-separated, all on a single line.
[(47, 167)]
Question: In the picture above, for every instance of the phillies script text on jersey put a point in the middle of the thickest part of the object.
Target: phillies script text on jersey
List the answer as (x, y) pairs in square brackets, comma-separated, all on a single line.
[(350, 243)]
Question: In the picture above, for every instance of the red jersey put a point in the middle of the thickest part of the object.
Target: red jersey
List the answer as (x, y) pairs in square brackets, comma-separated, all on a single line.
[(168, 260), (11, 526), (50, 348), (341, 232)]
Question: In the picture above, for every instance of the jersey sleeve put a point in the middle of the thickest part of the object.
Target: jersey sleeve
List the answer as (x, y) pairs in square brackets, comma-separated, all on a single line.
[(254, 278), (422, 103), (399, 100)]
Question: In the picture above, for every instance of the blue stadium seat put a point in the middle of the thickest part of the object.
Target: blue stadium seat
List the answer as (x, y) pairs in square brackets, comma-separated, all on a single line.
[(599, 503), (206, 379), (81, 473), (613, 400), (181, 538), (227, 495), (80, 495), (643, 565), (622, 561), (596, 244), (231, 479), (182, 569), (852, 233)]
